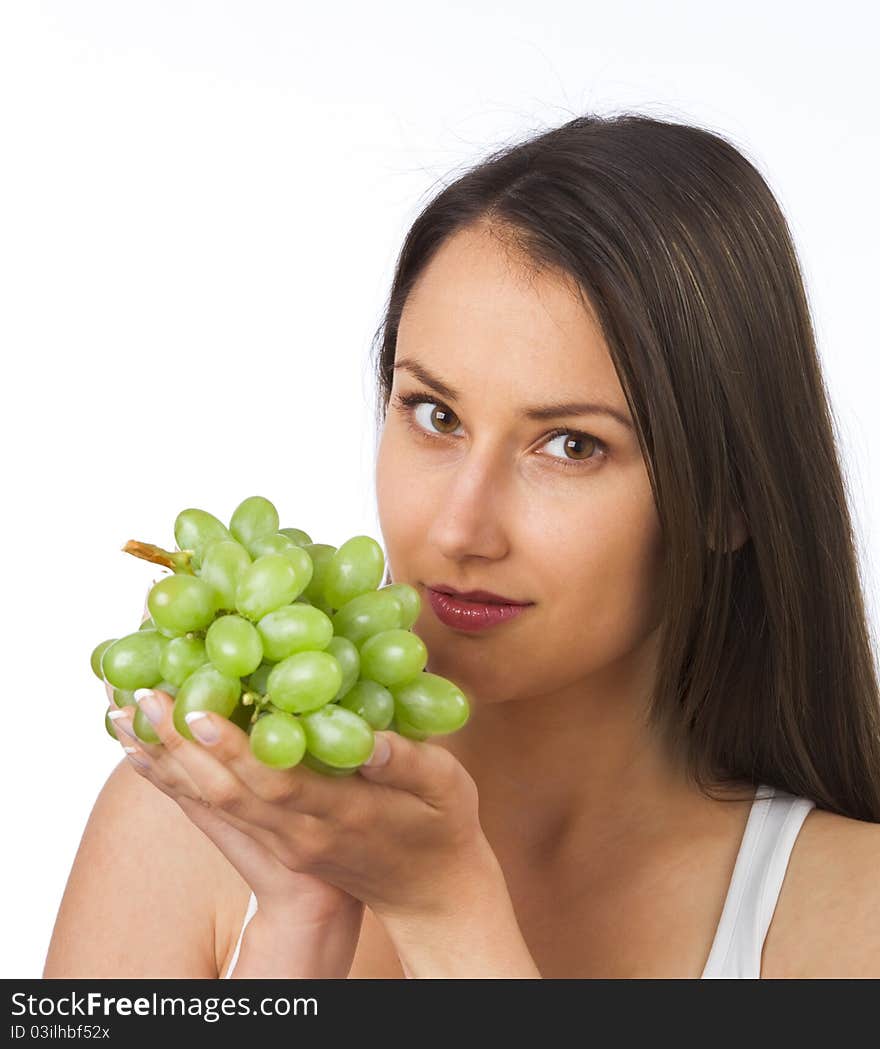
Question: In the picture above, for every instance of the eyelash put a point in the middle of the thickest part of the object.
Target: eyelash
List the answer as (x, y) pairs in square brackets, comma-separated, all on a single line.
[(406, 402)]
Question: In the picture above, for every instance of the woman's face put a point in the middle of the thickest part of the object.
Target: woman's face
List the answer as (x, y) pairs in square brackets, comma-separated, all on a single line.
[(474, 494)]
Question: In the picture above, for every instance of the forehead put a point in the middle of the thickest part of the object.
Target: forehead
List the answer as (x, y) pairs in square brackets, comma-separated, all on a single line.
[(479, 313)]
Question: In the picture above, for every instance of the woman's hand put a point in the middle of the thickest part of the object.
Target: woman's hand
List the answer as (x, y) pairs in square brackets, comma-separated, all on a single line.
[(306, 926), (402, 835)]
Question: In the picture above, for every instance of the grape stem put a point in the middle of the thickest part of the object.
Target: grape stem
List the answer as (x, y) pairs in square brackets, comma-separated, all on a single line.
[(179, 561)]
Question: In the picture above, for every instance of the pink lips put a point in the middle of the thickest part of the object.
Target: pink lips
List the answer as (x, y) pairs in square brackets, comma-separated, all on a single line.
[(485, 597), (455, 611)]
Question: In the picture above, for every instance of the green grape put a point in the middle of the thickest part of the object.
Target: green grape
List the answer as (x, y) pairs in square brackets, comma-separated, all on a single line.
[(259, 680), (392, 657), (300, 537), (367, 614), (271, 543), (132, 662), (124, 697), (338, 737), (276, 543), (141, 724), (297, 555), (194, 529), (403, 728), (267, 584), (310, 761), (410, 602), (356, 567), (143, 729), (346, 655), (430, 704), (320, 554), (147, 624), (304, 681), (253, 517), (223, 565), (233, 646), (278, 740), (294, 628), (181, 603), (206, 689), (182, 656), (371, 701), (97, 652)]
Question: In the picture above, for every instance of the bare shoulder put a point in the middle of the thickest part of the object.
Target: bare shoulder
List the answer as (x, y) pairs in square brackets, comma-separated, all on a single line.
[(148, 895), (827, 919)]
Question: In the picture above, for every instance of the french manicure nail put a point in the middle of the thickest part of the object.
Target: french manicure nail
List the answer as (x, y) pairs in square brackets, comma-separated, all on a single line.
[(381, 753), (148, 703), (122, 720), (136, 758), (200, 727)]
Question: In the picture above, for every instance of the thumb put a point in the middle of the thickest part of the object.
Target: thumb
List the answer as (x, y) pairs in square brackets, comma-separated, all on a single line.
[(421, 768), (381, 755)]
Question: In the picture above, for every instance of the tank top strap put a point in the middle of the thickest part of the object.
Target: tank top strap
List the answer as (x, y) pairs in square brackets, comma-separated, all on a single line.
[(775, 819), (249, 913)]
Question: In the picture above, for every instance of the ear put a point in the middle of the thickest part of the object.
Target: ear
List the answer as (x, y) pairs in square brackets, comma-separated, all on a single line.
[(739, 532)]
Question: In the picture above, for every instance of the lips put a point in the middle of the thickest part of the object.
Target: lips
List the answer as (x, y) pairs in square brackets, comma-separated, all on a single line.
[(485, 597), (454, 611)]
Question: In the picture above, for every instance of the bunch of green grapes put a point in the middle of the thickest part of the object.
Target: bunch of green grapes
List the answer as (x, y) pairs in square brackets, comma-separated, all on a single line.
[(294, 641)]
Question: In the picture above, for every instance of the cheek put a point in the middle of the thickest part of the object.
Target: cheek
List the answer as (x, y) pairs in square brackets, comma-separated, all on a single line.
[(607, 578)]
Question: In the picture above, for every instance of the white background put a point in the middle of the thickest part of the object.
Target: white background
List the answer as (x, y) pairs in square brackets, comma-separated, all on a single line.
[(200, 207)]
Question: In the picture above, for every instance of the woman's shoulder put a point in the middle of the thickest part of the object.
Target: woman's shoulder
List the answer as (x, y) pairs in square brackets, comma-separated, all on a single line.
[(148, 894), (209, 890), (827, 919)]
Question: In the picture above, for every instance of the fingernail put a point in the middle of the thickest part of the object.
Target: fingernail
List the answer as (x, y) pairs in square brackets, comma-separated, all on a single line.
[(122, 720), (135, 757), (148, 703), (381, 752), (201, 727)]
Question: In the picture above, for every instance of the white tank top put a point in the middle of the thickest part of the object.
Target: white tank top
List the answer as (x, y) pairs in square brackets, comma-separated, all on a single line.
[(775, 819), (774, 822)]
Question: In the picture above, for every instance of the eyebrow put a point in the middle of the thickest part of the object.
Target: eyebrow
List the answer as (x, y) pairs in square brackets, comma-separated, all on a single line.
[(547, 411)]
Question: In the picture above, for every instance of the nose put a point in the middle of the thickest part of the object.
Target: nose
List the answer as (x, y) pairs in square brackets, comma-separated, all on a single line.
[(472, 515)]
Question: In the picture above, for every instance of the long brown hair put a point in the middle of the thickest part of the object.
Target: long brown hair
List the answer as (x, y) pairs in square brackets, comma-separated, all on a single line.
[(681, 251)]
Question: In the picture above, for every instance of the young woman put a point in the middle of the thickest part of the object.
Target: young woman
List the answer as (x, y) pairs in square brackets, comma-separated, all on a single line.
[(600, 399)]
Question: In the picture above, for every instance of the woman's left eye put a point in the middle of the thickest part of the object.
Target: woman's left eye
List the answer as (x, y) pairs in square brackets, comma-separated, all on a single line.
[(576, 441), (579, 443)]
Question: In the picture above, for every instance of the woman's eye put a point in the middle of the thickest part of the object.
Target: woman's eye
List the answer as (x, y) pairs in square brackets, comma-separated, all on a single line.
[(435, 416), (430, 418), (576, 447)]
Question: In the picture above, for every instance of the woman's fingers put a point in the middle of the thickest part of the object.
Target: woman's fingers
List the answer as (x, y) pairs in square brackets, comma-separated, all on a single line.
[(223, 765), (156, 764), (213, 773), (147, 755), (423, 769)]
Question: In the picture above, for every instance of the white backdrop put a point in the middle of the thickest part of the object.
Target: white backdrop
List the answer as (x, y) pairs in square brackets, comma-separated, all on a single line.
[(200, 208)]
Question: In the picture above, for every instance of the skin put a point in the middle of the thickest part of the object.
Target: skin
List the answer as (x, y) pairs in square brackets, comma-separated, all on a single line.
[(552, 836), (560, 694), (609, 836)]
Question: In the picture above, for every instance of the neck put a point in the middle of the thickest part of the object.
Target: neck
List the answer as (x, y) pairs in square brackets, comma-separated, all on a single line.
[(576, 772)]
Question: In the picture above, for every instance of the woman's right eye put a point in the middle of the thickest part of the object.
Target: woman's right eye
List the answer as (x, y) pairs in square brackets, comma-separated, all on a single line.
[(432, 417)]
